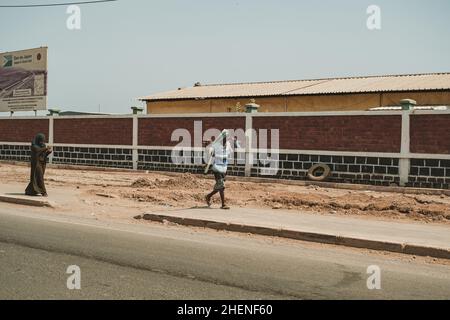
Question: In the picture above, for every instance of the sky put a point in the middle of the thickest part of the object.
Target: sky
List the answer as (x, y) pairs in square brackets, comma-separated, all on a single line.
[(132, 48)]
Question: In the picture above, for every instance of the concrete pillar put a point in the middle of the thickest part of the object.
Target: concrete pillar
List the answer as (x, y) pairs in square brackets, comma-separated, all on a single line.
[(251, 107), (137, 110), (50, 137), (405, 161), (408, 104), (135, 154), (54, 112), (134, 151), (248, 145)]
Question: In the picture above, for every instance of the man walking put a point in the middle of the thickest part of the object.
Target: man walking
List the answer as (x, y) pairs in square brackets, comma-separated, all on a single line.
[(221, 152)]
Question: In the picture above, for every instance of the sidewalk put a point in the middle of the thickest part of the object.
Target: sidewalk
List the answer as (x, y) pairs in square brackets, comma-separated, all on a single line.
[(15, 193), (403, 237)]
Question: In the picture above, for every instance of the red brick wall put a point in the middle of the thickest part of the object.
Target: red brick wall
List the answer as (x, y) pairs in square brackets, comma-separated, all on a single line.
[(336, 133), (158, 131), (109, 131), (22, 130), (430, 133)]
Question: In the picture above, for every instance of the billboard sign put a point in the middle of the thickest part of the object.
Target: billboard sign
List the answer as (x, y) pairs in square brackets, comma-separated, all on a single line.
[(23, 80)]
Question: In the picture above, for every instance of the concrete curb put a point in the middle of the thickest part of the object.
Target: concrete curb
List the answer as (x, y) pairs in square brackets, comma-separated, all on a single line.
[(26, 201), (306, 236)]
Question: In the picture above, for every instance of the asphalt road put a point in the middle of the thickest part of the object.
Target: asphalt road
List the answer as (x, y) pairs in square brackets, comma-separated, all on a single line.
[(147, 261)]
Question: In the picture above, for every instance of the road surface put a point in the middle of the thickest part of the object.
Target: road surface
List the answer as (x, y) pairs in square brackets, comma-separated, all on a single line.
[(141, 260)]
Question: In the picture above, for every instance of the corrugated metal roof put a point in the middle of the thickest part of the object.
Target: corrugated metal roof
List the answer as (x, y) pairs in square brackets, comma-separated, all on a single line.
[(413, 82), (420, 108)]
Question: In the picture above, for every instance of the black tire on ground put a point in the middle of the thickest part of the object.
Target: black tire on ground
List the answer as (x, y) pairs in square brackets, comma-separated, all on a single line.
[(322, 167)]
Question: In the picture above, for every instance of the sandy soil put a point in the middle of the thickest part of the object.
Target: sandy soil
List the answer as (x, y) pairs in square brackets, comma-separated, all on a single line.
[(141, 190)]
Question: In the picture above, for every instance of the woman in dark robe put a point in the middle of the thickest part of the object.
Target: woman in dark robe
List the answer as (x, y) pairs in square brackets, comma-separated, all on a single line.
[(39, 154)]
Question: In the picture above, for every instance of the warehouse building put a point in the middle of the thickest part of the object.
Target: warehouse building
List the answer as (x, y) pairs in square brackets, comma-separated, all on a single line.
[(332, 94)]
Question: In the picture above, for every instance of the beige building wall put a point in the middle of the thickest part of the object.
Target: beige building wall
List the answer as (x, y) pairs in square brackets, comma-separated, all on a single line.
[(432, 98), (277, 104), (178, 106), (344, 102), (338, 102)]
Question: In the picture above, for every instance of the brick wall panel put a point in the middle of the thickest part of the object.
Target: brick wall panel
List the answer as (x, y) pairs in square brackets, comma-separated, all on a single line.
[(158, 131), (430, 134), (336, 133), (103, 131), (22, 130)]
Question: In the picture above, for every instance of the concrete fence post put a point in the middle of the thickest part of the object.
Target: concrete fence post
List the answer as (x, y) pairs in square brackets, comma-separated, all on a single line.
[(248, 145), (51, 137), (405, 160), (135, 154)]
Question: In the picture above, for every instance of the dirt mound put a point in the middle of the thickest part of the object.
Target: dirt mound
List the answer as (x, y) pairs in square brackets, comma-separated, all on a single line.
[(186, 180), (361, 204), (143, 183)]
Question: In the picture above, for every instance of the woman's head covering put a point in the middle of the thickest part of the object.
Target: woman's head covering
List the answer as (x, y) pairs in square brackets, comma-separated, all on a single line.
[(39, 140)]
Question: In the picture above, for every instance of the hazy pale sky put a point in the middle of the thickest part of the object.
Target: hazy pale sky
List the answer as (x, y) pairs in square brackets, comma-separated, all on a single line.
[(132, 48)]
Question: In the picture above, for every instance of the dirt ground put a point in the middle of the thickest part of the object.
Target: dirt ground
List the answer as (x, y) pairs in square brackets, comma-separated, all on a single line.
[(160, 190)]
